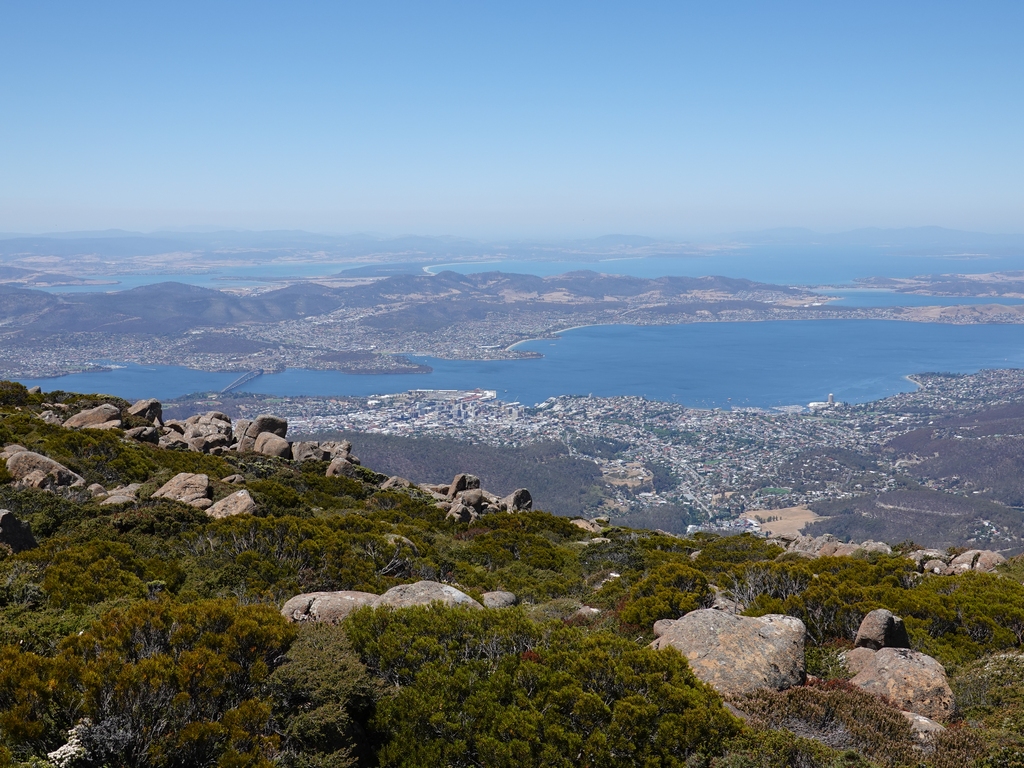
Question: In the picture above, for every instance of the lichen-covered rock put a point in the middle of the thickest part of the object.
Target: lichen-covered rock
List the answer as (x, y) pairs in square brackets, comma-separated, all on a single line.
[(499, 599), (881, 629), (104, 416), (15, 533), (924, 728), (328, 607), (33, 470), (913, 681), (188, 488), (238, 503), (739, 654), (424, 593)]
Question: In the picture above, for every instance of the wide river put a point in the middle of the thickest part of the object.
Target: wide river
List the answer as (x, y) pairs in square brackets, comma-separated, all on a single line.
[(702, 365)]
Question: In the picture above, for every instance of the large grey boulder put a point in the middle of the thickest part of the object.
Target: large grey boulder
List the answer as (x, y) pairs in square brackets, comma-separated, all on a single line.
[(462, 482), (913, 681), (983, 560), (188, 488), (270, 444), (150, 410), (329, 607), (308, 451), (104, 416), (424, 593), (499, 599), (14, 533), (33, 470), (238, 503), (143, 434), (342, 467), (881, 629), (258, 426), (519, 500), (738, 654)]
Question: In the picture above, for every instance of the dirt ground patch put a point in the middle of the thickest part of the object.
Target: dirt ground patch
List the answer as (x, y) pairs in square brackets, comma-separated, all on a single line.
[(790, 520)]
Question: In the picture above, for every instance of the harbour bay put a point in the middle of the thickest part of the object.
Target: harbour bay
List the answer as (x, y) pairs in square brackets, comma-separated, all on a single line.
[(704, 365)]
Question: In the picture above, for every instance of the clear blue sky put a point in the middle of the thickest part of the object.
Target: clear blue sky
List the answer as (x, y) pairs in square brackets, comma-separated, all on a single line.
[(512, 119)]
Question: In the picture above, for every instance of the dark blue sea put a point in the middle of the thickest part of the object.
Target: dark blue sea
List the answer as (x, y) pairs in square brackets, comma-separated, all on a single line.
[(703, 365)]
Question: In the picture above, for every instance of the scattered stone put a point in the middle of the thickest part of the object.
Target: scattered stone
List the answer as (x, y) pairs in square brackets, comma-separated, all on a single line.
[(15, 533), (913, 681), (238, 503), (424, 593), (33, 470), (982, 560), (151, 410), (328, 607), (234, 479), (396, 482), (124, 494), (881, 629), (923, 728), (188, 488), (587, 525), (499, 599), (104, 416), (51, 417), (739, 654), (143, 434), (341, 467), (308, 451), (270, 444)]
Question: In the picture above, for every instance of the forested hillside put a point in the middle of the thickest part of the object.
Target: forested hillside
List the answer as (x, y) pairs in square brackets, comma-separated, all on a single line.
[(138, 630)]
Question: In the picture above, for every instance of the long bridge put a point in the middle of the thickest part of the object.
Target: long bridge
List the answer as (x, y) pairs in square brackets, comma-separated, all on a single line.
[(245, 378)]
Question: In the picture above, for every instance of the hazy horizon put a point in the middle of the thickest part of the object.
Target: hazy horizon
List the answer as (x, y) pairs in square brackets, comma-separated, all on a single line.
[(527, 121)]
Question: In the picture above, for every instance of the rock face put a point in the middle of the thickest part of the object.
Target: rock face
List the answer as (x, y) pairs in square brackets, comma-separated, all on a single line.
[(738, 654), (150, 410), (238, 503), (330, 607), (913, 681), (187, 488), (105, 416), (424, 593), (881, 629), (14, 533), (499, 599), (33, 470)]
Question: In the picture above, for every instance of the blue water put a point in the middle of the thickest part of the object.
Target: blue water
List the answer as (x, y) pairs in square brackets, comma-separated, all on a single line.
[(786, 265), (700, 365)]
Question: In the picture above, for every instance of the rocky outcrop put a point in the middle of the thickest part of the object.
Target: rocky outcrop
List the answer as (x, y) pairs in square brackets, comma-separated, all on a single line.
[(424, 593), (14, 533), (499, 599), (590, 526), (33, 470), (328, 607), (881, 629), (913, 681), (238, 503), (258, 426), (151, 410), (123, 494), (143, 434), (309, 451), (519, 500), (738, 654), (270, 444), (396, 483), (828, 545), (464, 500), (982, 560), (104, 416), (188, 488)]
